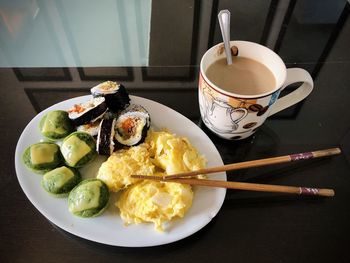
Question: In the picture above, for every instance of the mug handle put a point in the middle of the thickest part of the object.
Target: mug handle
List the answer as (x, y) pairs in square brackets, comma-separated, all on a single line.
[(293, 75)]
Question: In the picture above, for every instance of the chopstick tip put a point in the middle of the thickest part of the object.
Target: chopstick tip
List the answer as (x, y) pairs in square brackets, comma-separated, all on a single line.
[(327, 192), (337, 150)]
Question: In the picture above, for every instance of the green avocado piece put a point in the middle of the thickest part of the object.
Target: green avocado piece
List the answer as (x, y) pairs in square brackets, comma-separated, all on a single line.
[(89, 198), (78, 149), (42, 157), (56, 125), (60, 181)]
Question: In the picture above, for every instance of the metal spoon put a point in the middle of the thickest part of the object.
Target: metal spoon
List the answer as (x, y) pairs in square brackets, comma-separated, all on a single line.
[(224, 21)]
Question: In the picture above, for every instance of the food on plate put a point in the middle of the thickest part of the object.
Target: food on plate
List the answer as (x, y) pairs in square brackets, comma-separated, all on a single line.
[(152, 201), (60, 181), (88, 112), (55, 125), (78, 149), (132, 125), (42, 157), (89, 198), (156, 202), (117, 124), (105, 137), (118, 168), (172, 153), (91, 128), (115, 94)]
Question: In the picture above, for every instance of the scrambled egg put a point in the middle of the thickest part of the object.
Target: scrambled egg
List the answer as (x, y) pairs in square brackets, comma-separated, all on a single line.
[(156, 202), (173, 154), (152, 201), (118, 168)]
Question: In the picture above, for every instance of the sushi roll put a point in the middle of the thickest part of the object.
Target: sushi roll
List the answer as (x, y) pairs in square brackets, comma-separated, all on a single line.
[(111, 115), (88, 112), (91, 128), (105, 137), (115, 94), (132, 125)]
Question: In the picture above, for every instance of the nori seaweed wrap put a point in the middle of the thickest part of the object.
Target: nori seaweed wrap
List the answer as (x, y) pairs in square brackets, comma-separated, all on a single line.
[(132, 125), (115, 94), (87, 112), (105, 137)]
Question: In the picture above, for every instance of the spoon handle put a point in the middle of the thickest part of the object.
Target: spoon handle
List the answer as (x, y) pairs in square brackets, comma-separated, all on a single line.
[(224, 20)]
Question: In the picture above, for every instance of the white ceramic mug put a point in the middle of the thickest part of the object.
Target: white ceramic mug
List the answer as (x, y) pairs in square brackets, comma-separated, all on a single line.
[(235, 116)]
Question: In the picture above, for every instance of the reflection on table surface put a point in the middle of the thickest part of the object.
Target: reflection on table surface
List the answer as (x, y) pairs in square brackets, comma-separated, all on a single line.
[(251, 227)]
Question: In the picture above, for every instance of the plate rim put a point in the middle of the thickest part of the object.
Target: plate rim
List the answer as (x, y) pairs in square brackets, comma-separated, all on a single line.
[(19, 162)]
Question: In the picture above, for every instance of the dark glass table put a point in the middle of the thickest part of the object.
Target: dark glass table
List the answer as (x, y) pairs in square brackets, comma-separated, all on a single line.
[(251, 226)]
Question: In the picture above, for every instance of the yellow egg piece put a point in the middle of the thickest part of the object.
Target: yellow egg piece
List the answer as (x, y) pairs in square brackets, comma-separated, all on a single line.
[(154, 202), (117, 170), (173, 154)]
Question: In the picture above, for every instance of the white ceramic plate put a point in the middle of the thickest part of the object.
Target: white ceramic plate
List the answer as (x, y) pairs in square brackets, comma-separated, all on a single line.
[(109, 228)]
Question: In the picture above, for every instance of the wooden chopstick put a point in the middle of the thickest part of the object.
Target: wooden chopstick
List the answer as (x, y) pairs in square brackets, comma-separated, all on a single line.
[(254, 187), (248, 164)]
